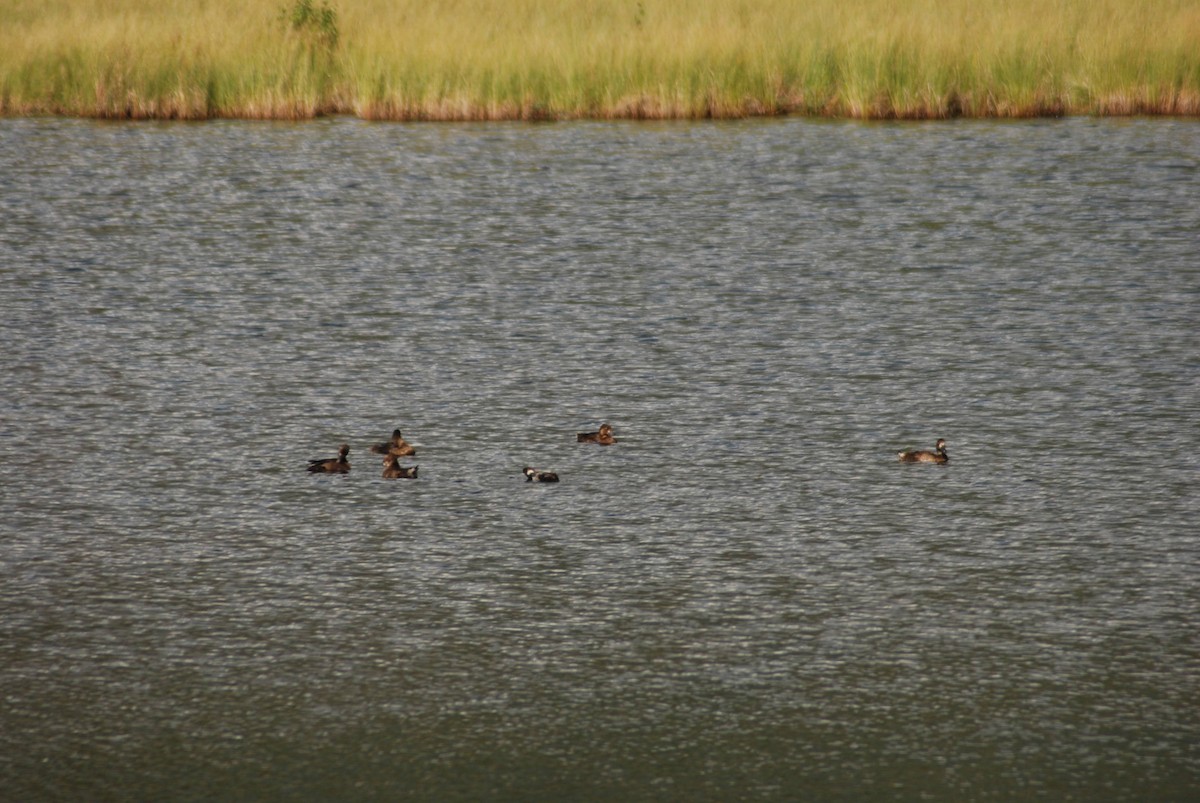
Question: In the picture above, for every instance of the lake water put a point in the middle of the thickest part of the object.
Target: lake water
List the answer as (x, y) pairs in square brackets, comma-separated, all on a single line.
[(747, 598)]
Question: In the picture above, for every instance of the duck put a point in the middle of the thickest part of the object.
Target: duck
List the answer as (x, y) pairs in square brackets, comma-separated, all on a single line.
[(533, 475), (392, 470), (938, 455), (604, 437), (334, 465), (397, 446)]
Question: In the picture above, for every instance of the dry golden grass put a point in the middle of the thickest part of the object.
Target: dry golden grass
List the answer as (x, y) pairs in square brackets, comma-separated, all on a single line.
[(542, 59)]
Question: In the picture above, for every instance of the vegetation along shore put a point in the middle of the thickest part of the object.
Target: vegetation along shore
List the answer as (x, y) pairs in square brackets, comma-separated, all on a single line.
[(565, 59)]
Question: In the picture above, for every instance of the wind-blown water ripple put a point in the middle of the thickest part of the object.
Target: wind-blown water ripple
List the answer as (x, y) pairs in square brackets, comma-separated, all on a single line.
[(748, 597)]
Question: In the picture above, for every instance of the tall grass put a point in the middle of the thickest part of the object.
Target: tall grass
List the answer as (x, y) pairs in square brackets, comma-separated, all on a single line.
[(551, 59)]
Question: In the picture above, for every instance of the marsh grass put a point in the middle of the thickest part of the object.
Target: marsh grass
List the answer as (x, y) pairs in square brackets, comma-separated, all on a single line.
[(538, 59)]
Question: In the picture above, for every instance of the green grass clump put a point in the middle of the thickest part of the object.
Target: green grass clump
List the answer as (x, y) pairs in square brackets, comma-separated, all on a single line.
[(556, 59)]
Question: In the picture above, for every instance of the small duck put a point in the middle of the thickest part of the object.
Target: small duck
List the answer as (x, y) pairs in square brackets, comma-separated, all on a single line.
[(334, 465), (533, 475), (397, 446), (392, 470), (938, 455), (604, 437)]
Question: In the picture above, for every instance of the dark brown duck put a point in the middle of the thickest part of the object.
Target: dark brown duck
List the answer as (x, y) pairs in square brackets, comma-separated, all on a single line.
[(334, 465), (938, 455), (533, 475), (604, 436), (392, 470), (396, 445)]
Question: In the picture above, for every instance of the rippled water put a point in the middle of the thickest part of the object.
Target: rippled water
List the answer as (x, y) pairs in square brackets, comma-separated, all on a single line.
[(748, 597)]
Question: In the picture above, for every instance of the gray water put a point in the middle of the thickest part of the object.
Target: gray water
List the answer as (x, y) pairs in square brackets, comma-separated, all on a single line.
[(747, 598)]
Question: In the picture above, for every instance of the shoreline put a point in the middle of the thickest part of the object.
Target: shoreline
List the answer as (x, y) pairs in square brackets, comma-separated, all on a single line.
[(1180, 107)]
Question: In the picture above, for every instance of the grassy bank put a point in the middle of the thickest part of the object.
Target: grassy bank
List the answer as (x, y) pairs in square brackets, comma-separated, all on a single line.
[(539, 59)]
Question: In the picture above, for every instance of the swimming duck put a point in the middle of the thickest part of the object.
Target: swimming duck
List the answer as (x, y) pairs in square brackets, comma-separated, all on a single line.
[(392, 470), (397, 446), (533, 475), (604, 437), (334, 465), (938, 455)]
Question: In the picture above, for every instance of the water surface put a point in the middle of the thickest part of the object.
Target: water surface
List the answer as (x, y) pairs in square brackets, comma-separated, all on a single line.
[(746, 598)]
